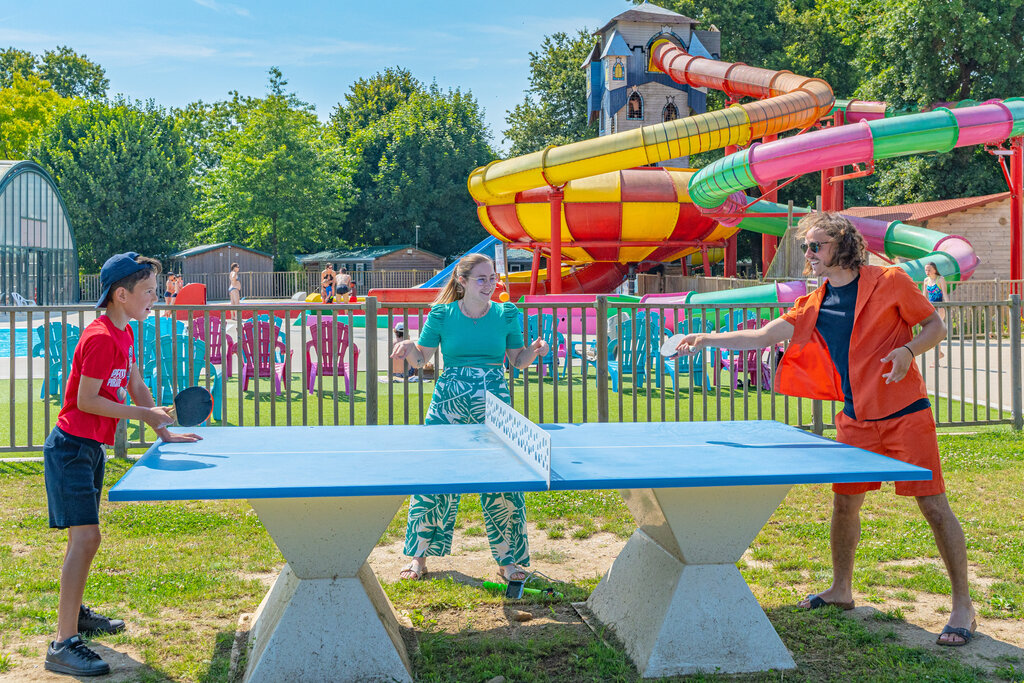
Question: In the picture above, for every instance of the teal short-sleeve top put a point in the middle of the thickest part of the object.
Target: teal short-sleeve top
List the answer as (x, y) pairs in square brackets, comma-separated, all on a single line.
[(474, 342)]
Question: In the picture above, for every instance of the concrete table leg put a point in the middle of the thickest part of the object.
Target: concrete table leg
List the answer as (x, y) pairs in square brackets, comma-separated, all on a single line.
[(326, 617), (674, 596)]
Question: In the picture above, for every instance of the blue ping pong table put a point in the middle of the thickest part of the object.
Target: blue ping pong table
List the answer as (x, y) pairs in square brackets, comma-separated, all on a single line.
[(699, 492)]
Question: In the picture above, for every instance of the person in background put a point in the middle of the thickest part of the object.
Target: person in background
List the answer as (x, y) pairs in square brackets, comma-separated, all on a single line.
[(935, 289), (475, 336), (853, 340), (343, 282), (327, 284)]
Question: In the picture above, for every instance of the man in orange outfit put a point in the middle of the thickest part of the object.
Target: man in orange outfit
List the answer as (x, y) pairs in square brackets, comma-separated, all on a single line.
[(862, 315)]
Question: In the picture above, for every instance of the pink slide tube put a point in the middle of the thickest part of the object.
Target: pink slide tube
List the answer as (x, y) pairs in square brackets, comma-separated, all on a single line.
[(983, 124), (830, 147)]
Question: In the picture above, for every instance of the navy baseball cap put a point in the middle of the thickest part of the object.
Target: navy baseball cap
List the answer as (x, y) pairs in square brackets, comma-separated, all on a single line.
[(118, 267)]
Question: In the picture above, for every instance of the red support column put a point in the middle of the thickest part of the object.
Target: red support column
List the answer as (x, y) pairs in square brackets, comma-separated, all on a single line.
[(1016, 208), (535, 271), (832, 194), (555, 196), (706, 259)]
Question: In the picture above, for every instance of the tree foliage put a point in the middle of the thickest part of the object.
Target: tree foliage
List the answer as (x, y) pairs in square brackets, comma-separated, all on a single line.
[(70, 74), (123, 170), (554, 110), (411, 169), (279, 184), (370, 99), (27, 108)]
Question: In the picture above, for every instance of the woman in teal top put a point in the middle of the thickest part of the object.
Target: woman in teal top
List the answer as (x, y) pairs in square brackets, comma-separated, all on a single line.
[(474, 335)]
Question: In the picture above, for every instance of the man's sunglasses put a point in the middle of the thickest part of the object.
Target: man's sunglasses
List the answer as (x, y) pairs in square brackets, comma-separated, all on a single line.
[(813, 246)]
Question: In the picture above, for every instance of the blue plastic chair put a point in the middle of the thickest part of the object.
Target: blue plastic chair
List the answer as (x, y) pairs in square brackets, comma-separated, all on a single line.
[(52, 335), (694, 364), (174, 375), (543, 327), (630, 356)]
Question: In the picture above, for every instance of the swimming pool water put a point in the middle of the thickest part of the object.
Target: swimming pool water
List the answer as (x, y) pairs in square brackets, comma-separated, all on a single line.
[(20, 342)]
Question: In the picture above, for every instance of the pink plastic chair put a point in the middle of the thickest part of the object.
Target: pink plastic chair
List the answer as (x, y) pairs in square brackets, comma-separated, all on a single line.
[(329, 342), (258, 346), (750, 362), (213, 340)]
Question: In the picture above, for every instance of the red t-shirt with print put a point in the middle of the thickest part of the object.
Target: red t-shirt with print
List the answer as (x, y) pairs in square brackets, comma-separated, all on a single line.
[(107, 353)]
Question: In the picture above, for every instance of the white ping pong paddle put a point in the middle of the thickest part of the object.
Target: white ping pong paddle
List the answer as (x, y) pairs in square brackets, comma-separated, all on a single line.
[(668, 349)]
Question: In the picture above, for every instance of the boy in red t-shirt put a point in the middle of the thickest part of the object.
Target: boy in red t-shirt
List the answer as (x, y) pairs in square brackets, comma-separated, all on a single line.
[(74, 456)]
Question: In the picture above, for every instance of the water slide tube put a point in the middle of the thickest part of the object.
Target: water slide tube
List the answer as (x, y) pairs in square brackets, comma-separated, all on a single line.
[(642, 208), (715, 187)]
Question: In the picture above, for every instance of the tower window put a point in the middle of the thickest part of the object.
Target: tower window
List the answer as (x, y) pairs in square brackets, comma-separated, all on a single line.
[(670, 112), (635, 107)]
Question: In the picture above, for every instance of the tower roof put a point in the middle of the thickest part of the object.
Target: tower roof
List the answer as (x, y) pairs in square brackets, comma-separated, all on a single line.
[(649, 14), (615, 46)]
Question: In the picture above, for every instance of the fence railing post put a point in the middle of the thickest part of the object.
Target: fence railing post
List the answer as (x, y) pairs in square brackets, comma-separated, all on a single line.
[(1015, 369), (817, 419), (371, 360), (602, 358), (121, 439)]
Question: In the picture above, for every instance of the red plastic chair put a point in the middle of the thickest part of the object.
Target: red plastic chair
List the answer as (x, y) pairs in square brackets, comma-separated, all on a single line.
[(329, 342), (213, 340), (258, 346)]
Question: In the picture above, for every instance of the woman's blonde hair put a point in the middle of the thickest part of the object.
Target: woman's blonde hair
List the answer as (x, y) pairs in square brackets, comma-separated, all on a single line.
[(849, 249), (453, 290)]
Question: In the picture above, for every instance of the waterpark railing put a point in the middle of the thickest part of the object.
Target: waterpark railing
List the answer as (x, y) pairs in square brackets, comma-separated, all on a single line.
[(604, 367)]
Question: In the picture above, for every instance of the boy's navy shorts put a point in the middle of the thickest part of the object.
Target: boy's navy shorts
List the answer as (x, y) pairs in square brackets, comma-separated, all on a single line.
[(73, 470)]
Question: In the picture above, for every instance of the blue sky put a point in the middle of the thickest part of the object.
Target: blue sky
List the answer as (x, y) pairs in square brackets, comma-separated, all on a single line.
[(178, 51)]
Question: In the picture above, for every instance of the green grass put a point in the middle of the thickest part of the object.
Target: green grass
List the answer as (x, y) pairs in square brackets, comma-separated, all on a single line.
[(181, 574)]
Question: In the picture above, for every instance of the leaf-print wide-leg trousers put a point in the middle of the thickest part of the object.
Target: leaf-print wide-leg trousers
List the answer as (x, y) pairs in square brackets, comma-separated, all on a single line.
[(459, 399)]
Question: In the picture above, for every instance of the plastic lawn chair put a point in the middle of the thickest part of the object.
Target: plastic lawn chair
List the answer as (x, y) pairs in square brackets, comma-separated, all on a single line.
[(693, 365), (751, 362), (327, 353), (182, 361), (52, 335), (258, 358), (19, 300), (543, 326), (212, 334)]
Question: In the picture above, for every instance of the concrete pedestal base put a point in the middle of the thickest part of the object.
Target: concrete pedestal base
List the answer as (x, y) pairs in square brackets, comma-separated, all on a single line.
[(674, 596), (326, 617)]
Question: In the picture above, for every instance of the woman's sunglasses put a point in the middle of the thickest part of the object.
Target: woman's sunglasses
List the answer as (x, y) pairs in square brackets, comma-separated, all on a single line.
[(813, 246)]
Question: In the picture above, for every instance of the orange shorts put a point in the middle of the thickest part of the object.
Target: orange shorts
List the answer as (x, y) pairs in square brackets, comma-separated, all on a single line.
[(910, 439)]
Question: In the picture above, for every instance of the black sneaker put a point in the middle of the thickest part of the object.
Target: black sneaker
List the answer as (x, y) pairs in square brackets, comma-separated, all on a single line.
[(73, 657), (92, 622)]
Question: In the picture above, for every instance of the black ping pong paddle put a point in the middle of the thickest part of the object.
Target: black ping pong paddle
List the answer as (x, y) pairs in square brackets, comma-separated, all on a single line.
[(192, 406)]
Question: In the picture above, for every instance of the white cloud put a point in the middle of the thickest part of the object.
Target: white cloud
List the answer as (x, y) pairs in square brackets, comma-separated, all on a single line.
[(223, 7)]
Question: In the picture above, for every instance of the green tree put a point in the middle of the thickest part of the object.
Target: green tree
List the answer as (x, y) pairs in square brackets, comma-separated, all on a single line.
[(14, 61), (411, 169), (70, 74), (915, 53), (370, 99), (281, 184), (123, 170), (27, 108), (554, 109), (751, 29)]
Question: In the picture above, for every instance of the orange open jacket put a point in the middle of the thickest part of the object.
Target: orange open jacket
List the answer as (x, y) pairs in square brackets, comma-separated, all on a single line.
[(889, 304)]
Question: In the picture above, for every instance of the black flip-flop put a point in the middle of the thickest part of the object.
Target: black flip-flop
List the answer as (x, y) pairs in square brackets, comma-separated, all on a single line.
[(817, 602)]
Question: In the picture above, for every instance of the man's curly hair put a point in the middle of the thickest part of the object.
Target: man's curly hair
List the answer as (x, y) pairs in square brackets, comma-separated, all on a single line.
[(848, 248)]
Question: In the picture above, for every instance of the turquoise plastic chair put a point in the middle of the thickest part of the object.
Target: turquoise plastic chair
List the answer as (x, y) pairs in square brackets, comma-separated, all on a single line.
[(52, 335), (694, 365), (174, 375), (543, 326)]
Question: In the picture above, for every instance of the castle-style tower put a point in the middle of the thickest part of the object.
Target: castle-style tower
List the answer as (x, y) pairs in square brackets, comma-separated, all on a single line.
[(622, 92)]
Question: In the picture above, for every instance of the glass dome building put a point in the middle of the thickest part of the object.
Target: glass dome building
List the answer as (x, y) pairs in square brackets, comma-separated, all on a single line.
[(38, 259)]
